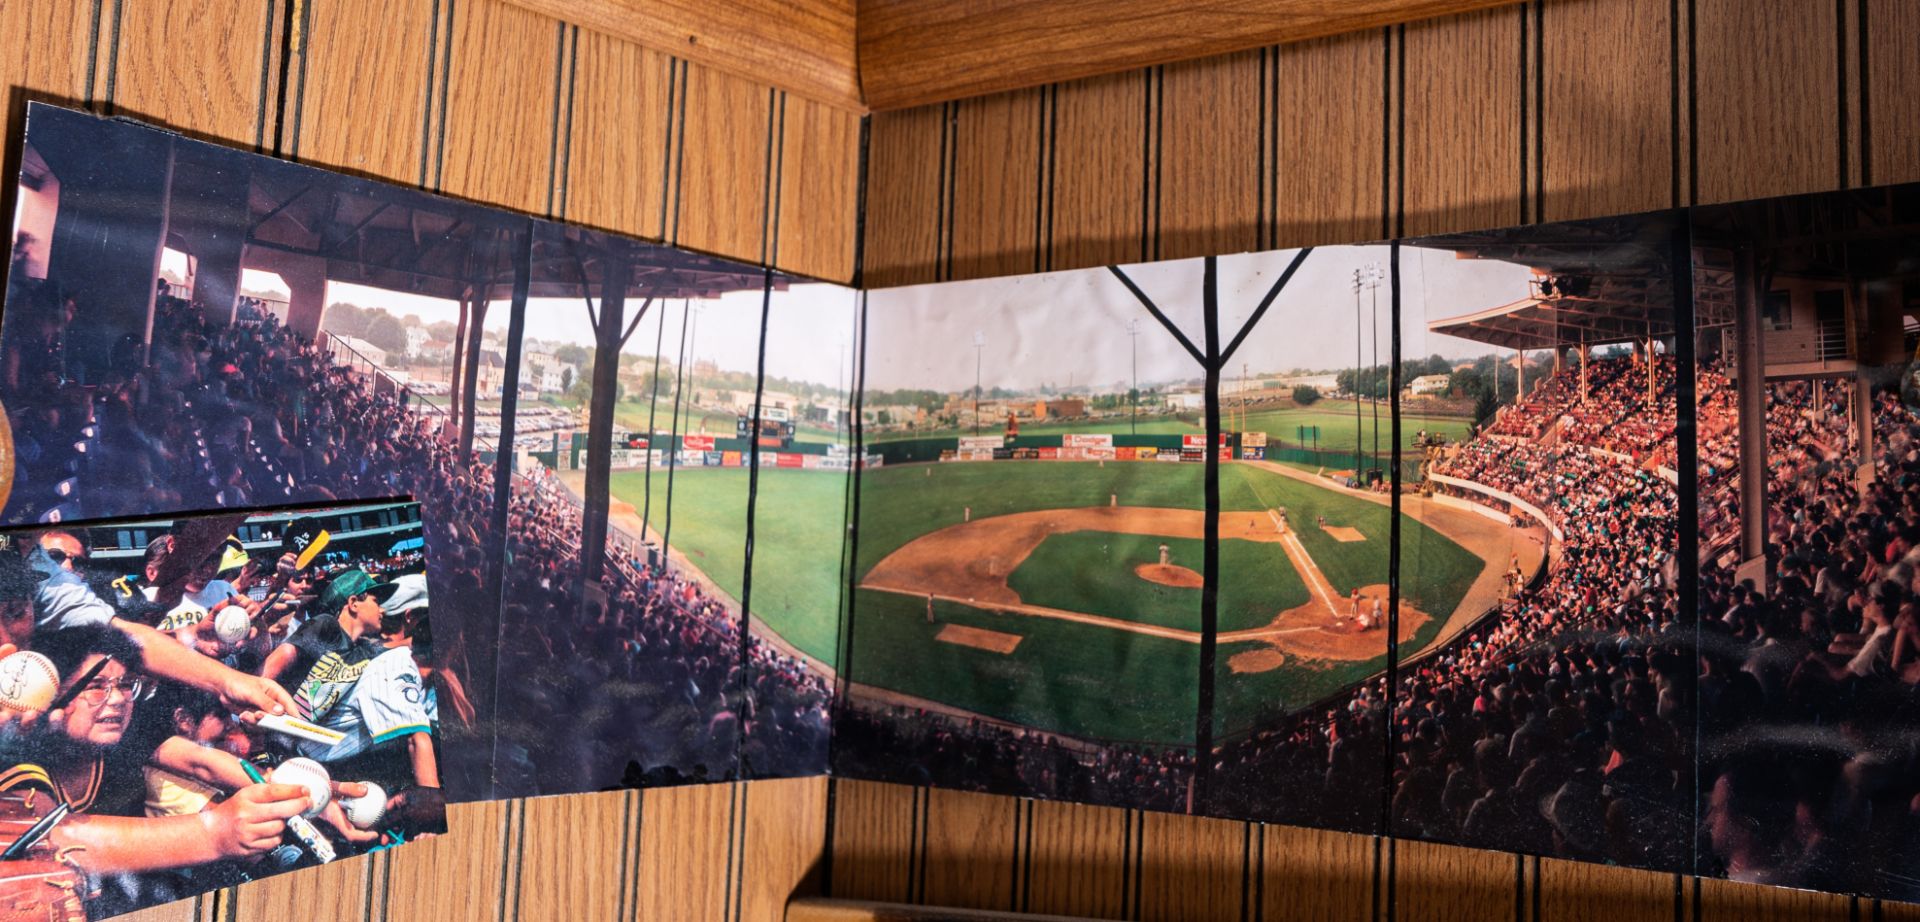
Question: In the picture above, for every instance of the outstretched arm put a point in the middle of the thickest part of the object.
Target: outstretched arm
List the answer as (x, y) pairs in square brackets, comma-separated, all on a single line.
[(251, 822), (249, 696)]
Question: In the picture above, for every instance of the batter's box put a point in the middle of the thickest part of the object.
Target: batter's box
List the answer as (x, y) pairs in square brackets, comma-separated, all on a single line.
[(979, 638)]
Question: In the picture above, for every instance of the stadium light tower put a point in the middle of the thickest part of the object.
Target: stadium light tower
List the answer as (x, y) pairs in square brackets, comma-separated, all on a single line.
[(979, 344), (1359, 282), (1133, 397), (1373, 276)]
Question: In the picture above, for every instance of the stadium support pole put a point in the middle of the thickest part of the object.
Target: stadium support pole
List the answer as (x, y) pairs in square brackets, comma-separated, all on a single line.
[(1210, 532), (510, 389), (470, 375), (1750, 365), (615, 272), (1863, 426)]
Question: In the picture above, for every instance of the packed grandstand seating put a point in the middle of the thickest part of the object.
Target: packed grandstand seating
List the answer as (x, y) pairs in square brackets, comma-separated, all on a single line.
[(250, 415)]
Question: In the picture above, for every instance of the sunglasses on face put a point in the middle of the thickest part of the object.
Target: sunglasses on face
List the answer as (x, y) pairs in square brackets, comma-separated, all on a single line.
[(59, 556)]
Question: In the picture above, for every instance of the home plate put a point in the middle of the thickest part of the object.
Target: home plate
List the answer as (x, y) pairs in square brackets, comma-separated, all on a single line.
[(1343, 534), (978, 638)]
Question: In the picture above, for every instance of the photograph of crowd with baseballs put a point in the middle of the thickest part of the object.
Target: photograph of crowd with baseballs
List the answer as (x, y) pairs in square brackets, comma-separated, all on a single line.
[(196, 703)]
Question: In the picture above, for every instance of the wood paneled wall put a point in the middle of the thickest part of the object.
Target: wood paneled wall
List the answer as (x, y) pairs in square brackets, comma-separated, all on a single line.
[(489, 102), (1545, 111)]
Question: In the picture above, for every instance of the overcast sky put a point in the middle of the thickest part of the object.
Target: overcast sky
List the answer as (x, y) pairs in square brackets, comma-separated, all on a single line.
[(1056, 329), (1067, 328)]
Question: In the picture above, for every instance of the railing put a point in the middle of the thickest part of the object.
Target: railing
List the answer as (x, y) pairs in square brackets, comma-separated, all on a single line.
[(385, 381)]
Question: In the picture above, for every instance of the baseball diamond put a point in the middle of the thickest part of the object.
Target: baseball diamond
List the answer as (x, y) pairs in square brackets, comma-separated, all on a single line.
[(1059, 562)]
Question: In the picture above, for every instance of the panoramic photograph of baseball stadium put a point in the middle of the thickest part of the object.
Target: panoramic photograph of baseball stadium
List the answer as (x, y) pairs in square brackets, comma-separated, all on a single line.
[(1809, 519), (1552, 713)]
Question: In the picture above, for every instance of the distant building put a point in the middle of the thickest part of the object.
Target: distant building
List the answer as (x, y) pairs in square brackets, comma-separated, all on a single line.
[(1063, 407), (364, 349), (1193, 400), (416, 338), (1428, 384)]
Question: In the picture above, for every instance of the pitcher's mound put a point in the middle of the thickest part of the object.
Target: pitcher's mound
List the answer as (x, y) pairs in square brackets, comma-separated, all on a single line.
[(1265, 659), (1343, 534), (1168, 574)]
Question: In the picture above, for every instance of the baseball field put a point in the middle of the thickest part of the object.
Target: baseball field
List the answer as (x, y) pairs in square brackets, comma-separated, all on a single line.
[(1052, 605), (1336, 420)]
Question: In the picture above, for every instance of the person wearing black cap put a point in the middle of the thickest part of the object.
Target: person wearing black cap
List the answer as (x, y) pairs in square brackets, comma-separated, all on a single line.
[(319, 664)]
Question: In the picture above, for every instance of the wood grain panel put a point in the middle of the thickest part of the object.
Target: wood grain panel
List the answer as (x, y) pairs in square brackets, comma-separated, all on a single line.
[(722, 196), (1209, 157), (1076, 865), (819, 216), (1098, 180), (499, 115), (1192, 869), (1462, 143), (1893, 91), (970, 850), (1726, 901), (875, 832), (914, 52), (685, 838), (459, 875), (904, 197), (1768, 97), (572, 852), (617, 150), (362, 104), (1607, 138), (784, 842), (1444, 882), (43, 44), (340, 890), (806, 47), (195, 66), (1572, 891), (996, 162), (1315, 874), (1327, 167), (181, 911)]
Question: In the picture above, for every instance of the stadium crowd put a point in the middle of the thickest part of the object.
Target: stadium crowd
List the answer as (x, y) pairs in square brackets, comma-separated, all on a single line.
[(251, 414)]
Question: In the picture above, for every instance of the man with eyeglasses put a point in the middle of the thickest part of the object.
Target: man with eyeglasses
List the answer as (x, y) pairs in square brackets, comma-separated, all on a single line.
[(63, 600)]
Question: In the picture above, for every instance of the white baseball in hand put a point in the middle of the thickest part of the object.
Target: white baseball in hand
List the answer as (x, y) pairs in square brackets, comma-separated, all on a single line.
[(232, 624), (307, 774), (366, 811), (28, 682)]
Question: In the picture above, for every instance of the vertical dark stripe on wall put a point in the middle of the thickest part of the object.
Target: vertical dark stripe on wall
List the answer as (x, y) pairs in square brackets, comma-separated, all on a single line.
[(1687, 547), (446, 78), (426, 111), (1264, 169), (1536, 889), (1040, 183), (1146, 166), (827, 847), (628, 850), (769, 254), (733, 818), (113, 55), (1840, 87), (1246, 872), (952, 171), (1159, 147), (1013, 894), (1519, 888), (1393, 876), (1866, 119), (553, 131), (920, 845), (506, 856), (566, 137), (1400, 132), (1139, 859), (940, 204), (1539, 110), (1379, 847), (666, 151), (1386, 132), (1026, 868), (93, 65), (1260, 875), (1126, 863), (1053, 151), (679, 116), (299, 44), (737, 887), (1673, 103), (1273, 148), (1525, 112), (266, 76), (1693, 106)]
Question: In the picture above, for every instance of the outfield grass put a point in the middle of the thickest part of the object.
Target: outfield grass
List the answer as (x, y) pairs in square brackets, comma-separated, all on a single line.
[(1338, 426), (1067, 677), (798, 534), (1092, 572)]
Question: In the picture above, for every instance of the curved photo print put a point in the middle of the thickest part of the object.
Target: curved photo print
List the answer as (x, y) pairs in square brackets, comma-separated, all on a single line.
[(196, 703), (1551, 712), (1809, 520), (1027, 568)]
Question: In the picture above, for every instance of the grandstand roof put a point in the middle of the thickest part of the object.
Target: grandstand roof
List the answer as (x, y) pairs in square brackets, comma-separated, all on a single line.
[(386, 236), (1608, 283)]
